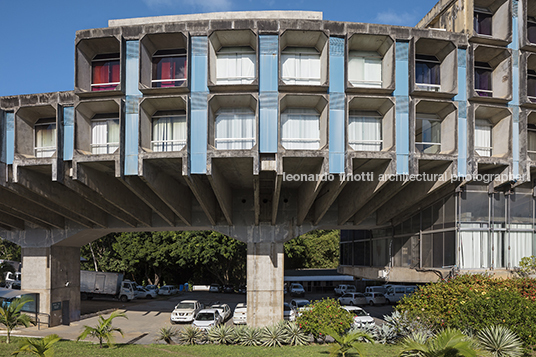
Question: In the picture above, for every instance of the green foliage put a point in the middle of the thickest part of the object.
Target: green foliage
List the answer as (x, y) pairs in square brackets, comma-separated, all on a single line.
[(11, 315), (191, 335), (248, 336), (316, 249), (274, 336), (42, 347), (447, 343), (346, 341), (325, 313), (476, 302), (222, 335), (500, 341), (167, 334), (527, 265), (295, 335), (9, 250), (104, 331)]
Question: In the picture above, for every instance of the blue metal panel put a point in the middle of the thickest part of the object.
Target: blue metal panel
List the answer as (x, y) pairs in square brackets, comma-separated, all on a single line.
[(515, 138), (461, 99), (336, 65), (131, 102), (68, 133), (336, 106), (268, 93), (268, 63), (402, 107), (199, 106), (9, 148), (268, 128), (514, 103)]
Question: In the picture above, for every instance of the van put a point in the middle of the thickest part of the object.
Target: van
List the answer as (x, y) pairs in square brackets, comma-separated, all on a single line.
[(375, 289), (397, 292), (343, 289)]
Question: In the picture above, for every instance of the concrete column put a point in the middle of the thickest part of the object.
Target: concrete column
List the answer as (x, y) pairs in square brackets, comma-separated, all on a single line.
[(265, 274), (54, 273)]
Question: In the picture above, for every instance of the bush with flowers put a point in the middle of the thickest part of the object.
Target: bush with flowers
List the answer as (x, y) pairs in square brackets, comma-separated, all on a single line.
[(475, 302), (324, 313)]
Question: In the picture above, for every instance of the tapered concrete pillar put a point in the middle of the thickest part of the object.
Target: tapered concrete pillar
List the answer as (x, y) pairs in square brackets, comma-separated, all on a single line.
[(265, 275), (54, 273)]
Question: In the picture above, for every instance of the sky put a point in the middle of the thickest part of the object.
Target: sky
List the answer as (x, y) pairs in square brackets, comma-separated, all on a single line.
[(37, 36)]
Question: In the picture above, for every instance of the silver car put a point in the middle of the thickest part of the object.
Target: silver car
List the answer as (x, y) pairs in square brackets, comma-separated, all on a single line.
[(353, 299), (185, 311), (207, 318)]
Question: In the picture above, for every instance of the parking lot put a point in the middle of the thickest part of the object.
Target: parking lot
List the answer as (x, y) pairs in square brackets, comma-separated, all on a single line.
[(146, 317)]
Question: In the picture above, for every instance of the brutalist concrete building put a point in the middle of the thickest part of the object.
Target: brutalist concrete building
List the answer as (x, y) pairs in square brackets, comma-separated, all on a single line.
[(417, 142)]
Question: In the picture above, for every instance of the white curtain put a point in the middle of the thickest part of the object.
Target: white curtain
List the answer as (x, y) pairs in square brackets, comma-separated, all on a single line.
[(365, 69), (365, 132), (235, 65), (483, 137), (104, 136), (474, 250), (300, 129), (235, 129), (532, 144), (45, 140), (169, 133), (301, 66), (520, 244)]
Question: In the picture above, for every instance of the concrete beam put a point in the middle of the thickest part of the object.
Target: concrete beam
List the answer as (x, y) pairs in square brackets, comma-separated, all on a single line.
[(11, 221), (204, 195), (56, 192), (384, 195), (257, 198), (223, 192), (175, 195), (114, 192), (327, 196), (140, 189), (307, 194), (276, 195)]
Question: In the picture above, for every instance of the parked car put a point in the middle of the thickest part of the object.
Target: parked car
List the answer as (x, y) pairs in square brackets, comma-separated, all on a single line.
[(207, 318), (343, 289), (375, 289), (240, 315), (289, 313), (214, 288), (152, 288), (353, 299), (361, 317), (228, 289), (297, 290), (375, 299), (300, 305), (143, 293), (185, 311), (397, 292), (168, 290), (223, 309)]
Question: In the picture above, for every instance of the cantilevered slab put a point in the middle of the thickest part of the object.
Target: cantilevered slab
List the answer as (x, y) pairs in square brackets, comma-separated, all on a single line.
[(327, 196), (204, 195), (223, 192)]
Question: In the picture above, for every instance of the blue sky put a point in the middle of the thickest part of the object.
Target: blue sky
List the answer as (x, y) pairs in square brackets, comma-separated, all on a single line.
[(37, 41)]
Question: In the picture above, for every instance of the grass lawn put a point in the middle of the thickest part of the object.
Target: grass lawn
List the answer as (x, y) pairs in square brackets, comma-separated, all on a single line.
[(72, 349)]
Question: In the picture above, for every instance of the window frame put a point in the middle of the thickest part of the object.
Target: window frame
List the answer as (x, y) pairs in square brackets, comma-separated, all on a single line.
[(365, 115), (483, 66), (297, 51), (484, 123), (226, 52), (304, 111), (243, 140), (371, 55), (425, 60), (487, 14)]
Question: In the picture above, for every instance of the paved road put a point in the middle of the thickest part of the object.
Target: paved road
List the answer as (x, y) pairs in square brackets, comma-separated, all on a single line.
[(146, 317)]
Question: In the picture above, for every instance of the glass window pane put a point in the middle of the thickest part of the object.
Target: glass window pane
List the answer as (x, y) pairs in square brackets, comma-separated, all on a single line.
[(474, 207), (300, 129), (426, 250), (450, 211), (365, 133), (438, 250), (450, 248), (520, 207), (499, 207), (380, 252), (235, 129)]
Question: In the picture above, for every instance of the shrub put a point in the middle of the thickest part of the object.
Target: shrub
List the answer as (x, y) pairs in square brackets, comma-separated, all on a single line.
[(346, 342), (500, 342), (295, 335), (222, 335), (167, 334), (191, 335), (248, 336), (326, 313), (448, 342), (272, 336)]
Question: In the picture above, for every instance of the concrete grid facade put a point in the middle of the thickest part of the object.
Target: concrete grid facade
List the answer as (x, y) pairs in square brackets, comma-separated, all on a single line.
[(206, 122)]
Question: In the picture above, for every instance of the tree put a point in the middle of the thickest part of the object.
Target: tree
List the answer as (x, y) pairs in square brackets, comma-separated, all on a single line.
[(347, 341), (316, 249), (104, 329), (447, 343), (11, 315), (9, 250), (42, 347)]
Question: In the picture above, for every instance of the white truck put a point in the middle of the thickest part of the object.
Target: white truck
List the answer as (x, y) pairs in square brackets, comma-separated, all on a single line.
[(102, 284)]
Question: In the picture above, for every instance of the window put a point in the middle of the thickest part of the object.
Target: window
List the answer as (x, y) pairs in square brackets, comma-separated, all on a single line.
[(428, 133), (300, 129), (427, 73), (482, 21), (531, 85), (531, 29), (235, 129), (365, 69), (235, 65), (531, 133), (104, 133), (169, 131), (169, 68), (483, 74), (45, 137), (301, 66), (106, 71), (483, 146), (365, 131)]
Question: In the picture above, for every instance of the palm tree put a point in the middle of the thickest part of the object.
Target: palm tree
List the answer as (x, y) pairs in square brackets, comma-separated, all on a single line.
[(447, 343), (11, 315), (38, 346), (346, 342), (104, 330)]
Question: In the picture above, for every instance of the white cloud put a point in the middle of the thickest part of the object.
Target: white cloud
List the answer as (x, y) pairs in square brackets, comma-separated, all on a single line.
[(391, 17), (203, 5)]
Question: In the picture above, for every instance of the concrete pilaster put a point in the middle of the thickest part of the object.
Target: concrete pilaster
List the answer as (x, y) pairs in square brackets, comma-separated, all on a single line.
[(265, 274), (54, 273)]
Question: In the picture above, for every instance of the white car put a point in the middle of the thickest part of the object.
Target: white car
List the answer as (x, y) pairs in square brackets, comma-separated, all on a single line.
[(297, 290), (343, 289), (185, 311), (353, 299), (207, 318), (375, 299), (289, 313), (223, 309), (361, 317), (240, 315), (168, 290), (214, 288), (152, 288), (300, 305), (142, 293)]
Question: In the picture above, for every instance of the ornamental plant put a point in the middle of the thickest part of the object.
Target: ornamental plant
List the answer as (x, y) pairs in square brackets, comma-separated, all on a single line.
[(326, 313)]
